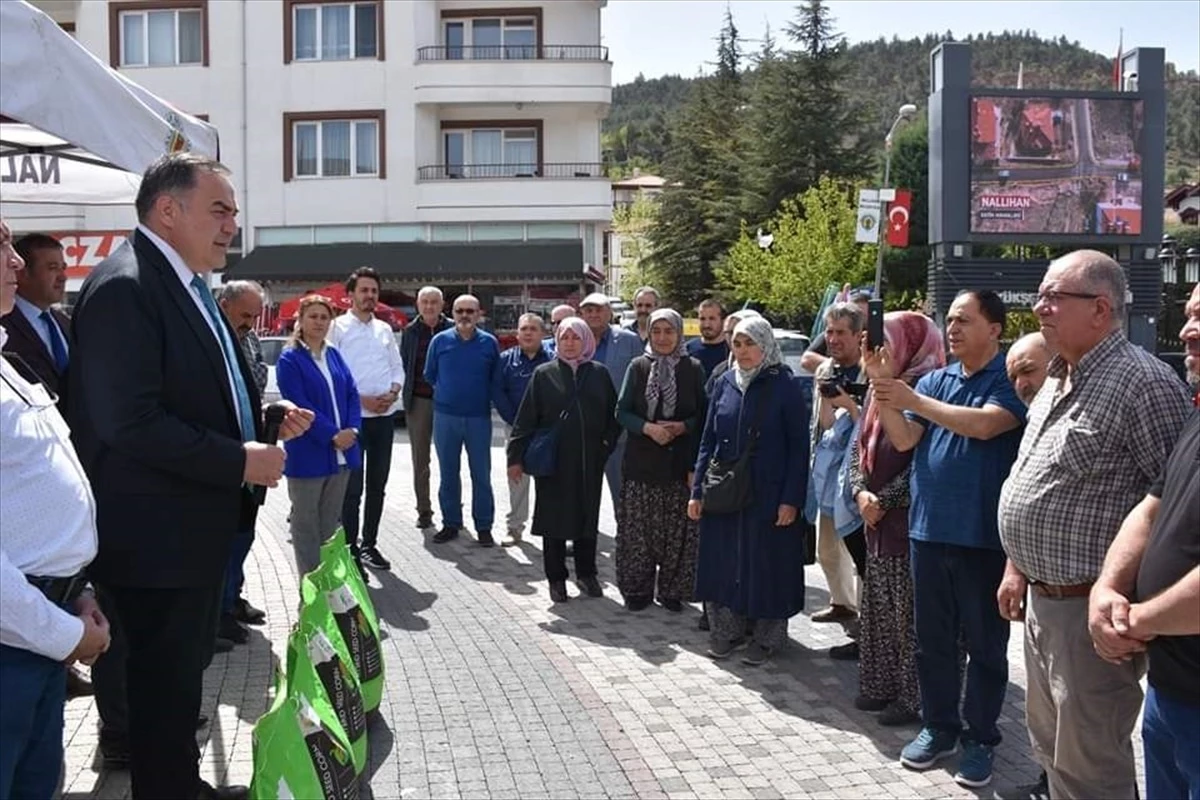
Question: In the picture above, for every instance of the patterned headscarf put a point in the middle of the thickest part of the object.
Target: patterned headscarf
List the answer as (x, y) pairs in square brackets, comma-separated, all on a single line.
[(580, 328), (661, 384), (916, 346), (758, 329)]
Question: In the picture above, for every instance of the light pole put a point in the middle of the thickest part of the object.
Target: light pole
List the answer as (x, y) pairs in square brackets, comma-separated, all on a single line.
[(906, 112)]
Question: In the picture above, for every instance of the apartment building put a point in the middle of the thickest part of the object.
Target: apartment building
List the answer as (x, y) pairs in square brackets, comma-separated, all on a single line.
[(454, 142)]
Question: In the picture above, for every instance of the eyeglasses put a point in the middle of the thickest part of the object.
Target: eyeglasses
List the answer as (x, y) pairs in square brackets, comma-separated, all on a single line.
[(1052, 297), (466, 312)]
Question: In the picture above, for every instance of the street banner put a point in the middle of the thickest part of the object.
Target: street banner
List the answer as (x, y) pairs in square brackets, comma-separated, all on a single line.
[(867, 229), (898, 218)]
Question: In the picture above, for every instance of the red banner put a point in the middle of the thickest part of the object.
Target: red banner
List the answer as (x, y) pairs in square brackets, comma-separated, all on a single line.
[(897, 219), (83, 250)]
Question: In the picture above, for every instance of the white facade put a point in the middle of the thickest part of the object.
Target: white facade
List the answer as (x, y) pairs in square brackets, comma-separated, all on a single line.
[(256, 88)]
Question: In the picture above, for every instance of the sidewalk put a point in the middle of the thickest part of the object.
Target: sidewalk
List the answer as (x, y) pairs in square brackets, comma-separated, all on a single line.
[(494, 692)]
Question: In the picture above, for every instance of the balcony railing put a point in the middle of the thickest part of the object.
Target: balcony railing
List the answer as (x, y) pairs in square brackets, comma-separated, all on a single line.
[(559, 170), (514, 52)]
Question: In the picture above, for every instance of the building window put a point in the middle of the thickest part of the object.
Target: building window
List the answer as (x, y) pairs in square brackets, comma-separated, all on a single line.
[(331, 31), (491, 153), (334, 144), (492, 38), (166, 33)]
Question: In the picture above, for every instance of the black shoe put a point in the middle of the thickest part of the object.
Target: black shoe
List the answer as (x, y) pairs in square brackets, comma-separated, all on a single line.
[(445, 534), (870, 704), (590, 586), (114, 752), (637, 603), (703, 623), (231, 629), (895, 716), (222, 645), (247, 614), (77, 685), (485, 538), (374, 559), (201, 721), (558, 591), (210, 792), (425, 522), (844, 652), (673, 605)]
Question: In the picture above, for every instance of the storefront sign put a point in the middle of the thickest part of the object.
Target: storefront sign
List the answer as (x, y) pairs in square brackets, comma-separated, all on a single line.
[(83, 250)]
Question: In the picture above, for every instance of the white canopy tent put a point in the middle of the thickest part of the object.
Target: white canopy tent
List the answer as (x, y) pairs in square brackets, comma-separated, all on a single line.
[(85, 126)]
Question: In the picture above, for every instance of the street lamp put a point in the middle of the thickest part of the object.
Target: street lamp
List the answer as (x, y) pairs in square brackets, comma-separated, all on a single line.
[(905, 113), (1166, 257), (1191, 266)]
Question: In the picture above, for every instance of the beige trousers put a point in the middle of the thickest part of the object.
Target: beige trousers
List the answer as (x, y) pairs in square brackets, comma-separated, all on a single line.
[(419, 420), (837, 564), (518, 499), (1080, 709)]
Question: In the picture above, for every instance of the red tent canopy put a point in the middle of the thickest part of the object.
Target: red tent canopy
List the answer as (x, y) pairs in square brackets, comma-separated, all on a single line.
[(336, 294)]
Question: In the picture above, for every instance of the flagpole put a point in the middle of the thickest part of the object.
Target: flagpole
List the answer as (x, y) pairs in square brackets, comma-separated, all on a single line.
[(906, 112)]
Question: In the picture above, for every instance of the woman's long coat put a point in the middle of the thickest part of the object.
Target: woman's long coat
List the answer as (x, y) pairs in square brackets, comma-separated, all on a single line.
[(568, 502), (746, 562)]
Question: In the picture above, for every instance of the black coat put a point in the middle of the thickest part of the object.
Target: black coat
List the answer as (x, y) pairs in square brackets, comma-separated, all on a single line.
[(568, 502), (155, 425), (25, 342), (645, 460), (409, 343)]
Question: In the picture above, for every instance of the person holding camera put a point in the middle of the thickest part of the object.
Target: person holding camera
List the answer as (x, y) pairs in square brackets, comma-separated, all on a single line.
[(837, 401)]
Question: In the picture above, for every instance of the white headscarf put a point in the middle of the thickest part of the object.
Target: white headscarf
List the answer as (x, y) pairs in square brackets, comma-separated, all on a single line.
[(759, 330)]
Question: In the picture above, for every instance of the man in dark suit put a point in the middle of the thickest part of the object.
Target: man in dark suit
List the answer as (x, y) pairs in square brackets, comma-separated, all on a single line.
[(168, 437)]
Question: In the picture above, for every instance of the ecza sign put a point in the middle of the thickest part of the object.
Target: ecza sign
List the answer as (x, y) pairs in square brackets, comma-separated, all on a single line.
[(83, 250)]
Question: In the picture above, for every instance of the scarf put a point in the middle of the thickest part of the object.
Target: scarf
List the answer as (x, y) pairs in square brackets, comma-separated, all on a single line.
[(578, 327), (760, 331), (916, 347), (661, 384)]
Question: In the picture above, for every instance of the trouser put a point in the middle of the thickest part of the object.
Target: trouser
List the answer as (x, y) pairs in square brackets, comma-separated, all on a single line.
[(108, 676), (316, 503), (419, 420), (954, 590), (1080, 709), (235, 576), (450, 435), (612, 473), (33, 689), (375, 438), (554, 558), (170, 636), (1171, 738), (518, 499), (837, 564)]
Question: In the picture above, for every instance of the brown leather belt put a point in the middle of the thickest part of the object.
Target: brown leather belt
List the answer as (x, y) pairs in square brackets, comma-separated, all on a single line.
[(1061, 592)]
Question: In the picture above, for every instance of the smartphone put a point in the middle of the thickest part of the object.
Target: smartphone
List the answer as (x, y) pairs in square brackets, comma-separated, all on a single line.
[(875, 324)]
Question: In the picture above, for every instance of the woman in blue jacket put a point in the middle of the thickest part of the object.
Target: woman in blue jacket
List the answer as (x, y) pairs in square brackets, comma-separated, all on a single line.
[(313, 375), (751, 561)]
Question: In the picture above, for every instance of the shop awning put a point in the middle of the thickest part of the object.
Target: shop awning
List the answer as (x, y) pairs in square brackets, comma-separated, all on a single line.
[(421, 262)]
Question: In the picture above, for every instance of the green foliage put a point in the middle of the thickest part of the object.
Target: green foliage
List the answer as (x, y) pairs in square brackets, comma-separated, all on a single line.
[(905, 269), (1185, 236), (813, 247), (632, 224)]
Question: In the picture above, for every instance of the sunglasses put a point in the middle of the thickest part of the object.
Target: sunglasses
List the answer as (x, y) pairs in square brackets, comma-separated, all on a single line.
[(466, 312)]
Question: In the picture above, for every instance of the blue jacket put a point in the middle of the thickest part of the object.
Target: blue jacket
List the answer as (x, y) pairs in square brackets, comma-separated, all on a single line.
[(615, 350), (511, 377), (300, 380), (460, 372)]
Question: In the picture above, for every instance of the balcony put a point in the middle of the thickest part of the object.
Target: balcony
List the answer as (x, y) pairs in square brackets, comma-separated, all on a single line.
[(558, 171), (548, 73), (559, 191)]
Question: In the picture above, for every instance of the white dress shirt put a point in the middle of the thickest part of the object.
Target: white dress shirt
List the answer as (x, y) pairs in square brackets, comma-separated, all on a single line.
[(48, 522), (34, 315), (369, 350), (185, 276)]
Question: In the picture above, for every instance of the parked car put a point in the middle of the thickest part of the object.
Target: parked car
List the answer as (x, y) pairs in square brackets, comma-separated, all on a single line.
[(272, 346), (792, 345)]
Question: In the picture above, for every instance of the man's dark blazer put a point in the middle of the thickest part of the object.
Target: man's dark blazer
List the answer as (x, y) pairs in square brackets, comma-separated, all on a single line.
[(155, 425), (25, 342)]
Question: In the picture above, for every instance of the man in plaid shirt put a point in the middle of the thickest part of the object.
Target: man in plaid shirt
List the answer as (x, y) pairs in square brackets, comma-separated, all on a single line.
[(1097, 436)]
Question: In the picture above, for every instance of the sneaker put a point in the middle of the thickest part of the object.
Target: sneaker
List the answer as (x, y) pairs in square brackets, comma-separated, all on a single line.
[(374, 559), (512, 540), (756, 655), (590, 586), (558, 591), (895, 716), (835, 613), (975, 766), (844, 652), (870, 704), (484, 537), (724, 648), (447, 533), (928, 748)]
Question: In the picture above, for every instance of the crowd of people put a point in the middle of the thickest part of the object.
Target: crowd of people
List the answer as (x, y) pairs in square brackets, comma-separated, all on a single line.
[(946, 488)]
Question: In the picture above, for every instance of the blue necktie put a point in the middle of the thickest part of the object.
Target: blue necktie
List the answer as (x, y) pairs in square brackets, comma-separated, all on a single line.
[(239, 384), (57, 348)]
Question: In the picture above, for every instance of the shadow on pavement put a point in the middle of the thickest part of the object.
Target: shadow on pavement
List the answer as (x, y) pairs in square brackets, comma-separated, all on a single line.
[(489, 564), (380, 742), (398, 603)]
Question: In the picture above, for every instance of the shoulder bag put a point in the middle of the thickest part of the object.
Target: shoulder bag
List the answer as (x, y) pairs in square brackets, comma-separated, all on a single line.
[(727, 484), (541, 456)]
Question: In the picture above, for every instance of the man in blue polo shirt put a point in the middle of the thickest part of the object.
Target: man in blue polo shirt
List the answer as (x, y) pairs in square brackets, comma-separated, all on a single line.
[(509, 380), (459, 367), (964, 422)]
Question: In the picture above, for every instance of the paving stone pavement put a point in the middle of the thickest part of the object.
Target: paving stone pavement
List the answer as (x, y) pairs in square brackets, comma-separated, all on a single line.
[(492, 691)]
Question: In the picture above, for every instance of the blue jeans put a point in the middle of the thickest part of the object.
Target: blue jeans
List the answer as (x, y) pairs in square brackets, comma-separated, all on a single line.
[(1171, 738), (33, 690), (239, 548), (954, 590), (375, 437), (450, 435)]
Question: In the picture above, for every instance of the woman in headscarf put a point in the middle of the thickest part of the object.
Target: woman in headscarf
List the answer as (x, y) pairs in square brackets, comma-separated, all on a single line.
[(578, 395), (887, 667), (662, 407), (731, 322), (751, 560)]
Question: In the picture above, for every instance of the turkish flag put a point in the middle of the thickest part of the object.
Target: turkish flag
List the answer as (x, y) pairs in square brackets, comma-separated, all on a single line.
[(897, 219)]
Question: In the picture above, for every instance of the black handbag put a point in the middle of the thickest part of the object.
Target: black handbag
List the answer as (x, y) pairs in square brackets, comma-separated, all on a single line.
[(541, 455), (727, 485)]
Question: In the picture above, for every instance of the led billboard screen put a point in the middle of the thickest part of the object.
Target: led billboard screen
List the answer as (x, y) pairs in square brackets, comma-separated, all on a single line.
[(1056, 165)]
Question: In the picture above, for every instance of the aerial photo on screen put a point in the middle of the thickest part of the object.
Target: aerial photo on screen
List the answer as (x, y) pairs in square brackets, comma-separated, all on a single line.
[(1044, 165)]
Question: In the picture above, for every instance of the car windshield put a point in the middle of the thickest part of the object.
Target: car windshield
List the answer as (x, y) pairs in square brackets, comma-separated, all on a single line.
[(271, 348)]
